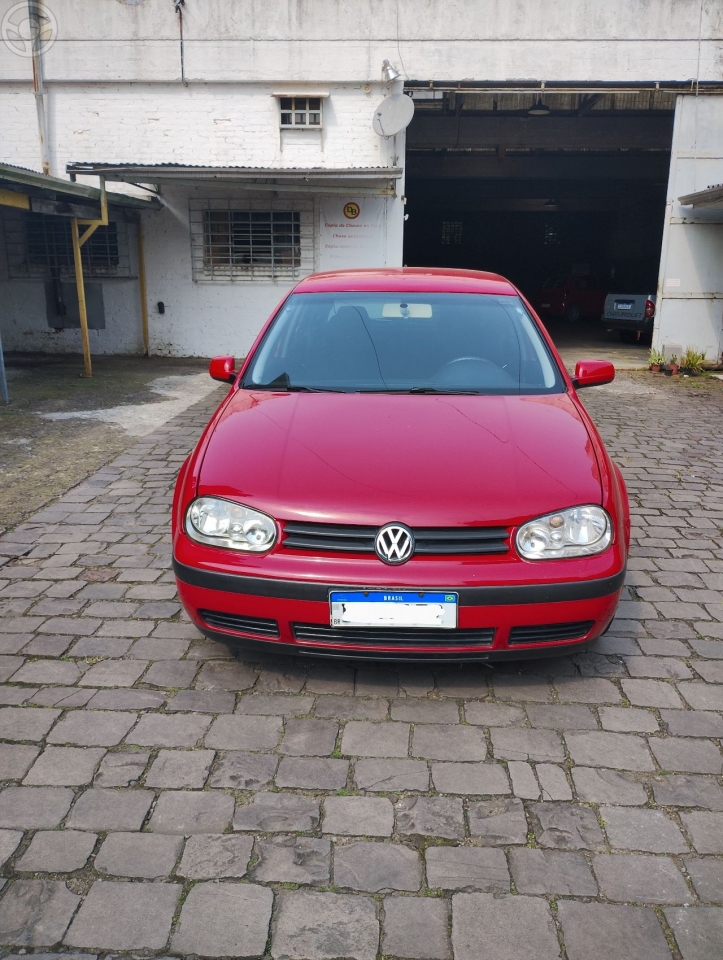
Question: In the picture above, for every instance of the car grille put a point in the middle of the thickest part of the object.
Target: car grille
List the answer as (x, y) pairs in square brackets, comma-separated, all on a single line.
[(344, 538), (235, 621), (320, 633), (549, 632)]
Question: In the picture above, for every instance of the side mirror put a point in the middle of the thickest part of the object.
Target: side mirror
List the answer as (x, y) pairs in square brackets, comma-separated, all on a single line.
[(593, 373), (223, 369)]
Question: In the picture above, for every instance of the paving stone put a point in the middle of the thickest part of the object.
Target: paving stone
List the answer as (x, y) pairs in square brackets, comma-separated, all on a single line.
[(244, 733), (707, 876), (226, 675), (498, 822), (171, 673), (467, 868), (192, 811), (292, 860), (309, 738), (377, 867), (416, 927), (660, 667), (566, 826), (9, 840), (103, 809), (553, 782), (586, 690), (521, 688), (608, 786), (16, 759), (14, 696), (705, 830), (277, 813), (698, 932), (34, 807), (36, 913), (58, 696), (209, 857), (358, 816), (26, 723), (281, 677), (628, 720), (389, 776), (551, 873), (57, 851), (430, 816), (447, 742), (203, 701), (147, 855), (560, 716), (322, 926), (64, 766), (692, 723), (121, 769), (275, 704), (642, 879), (224, 919), (113, 673), (88, 728), (312, 773), (651, 693), (351, 708), (244, 771), (425, 711), (598, 931), (364, 739), (49, 671), (179, 730), (117, 915), (616, 750), (687, 756), (524, 781), (125, 699), (177, 769), (514, 744), (490, 927), (474, 779), (702, 696), (647, 830)]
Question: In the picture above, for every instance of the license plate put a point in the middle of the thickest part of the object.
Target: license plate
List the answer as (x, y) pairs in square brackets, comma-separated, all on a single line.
[(623, 305), (394, 608)]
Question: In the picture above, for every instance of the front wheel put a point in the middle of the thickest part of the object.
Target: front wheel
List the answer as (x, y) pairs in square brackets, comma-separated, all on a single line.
[(572, 313)]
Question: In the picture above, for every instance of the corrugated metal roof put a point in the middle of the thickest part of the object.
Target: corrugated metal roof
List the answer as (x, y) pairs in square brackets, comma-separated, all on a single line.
[(14, 176), (150, 172), (710, 197)]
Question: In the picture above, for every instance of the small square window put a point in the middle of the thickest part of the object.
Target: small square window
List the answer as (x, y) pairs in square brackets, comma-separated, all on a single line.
[(451, 232), (298, 112)]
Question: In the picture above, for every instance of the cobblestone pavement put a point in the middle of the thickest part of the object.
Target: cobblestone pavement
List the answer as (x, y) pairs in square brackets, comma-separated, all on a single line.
[(160, 797)]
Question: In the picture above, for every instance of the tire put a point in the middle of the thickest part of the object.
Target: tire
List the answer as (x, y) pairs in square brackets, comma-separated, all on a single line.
[(573, 313)]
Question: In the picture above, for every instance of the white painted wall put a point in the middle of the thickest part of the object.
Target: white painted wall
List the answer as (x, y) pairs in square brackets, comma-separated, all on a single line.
[(690, 286)]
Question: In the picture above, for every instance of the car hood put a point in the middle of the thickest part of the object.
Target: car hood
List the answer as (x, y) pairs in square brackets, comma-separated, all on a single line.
[(423, 460)]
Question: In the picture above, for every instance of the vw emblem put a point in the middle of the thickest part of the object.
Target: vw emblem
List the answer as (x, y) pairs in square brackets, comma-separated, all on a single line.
[(394, 543)]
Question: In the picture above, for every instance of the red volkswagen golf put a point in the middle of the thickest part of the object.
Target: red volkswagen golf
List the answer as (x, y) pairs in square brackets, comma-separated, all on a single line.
[(402, 469)]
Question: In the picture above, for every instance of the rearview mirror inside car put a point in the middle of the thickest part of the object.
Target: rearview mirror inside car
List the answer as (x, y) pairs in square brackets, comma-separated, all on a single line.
[(593, 373), (223, 369)]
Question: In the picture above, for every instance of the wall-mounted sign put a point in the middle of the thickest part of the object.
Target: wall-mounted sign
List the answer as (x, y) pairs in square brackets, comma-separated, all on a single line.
[(352, 233)]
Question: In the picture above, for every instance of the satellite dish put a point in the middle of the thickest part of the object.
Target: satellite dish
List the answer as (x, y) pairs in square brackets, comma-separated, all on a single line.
[(393, 114)]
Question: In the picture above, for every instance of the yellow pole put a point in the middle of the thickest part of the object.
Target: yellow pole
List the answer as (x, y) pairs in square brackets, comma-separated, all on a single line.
[(80, 286), (142, 286)]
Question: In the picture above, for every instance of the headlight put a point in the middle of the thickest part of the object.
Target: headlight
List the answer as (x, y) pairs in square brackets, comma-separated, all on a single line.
[(223, 523), (577, 532)]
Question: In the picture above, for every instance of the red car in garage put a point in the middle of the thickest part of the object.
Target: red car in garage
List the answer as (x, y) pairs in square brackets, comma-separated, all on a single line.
[(571, 297), (402, 469)]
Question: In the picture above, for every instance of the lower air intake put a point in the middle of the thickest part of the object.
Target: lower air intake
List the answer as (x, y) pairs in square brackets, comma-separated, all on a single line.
[(240, 623), (549, 632), (419, 637)]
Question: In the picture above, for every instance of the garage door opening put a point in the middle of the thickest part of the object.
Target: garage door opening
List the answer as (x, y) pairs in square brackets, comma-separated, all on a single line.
[(562, 193)]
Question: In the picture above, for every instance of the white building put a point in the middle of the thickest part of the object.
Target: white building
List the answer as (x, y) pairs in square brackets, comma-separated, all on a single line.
[(549, 136)]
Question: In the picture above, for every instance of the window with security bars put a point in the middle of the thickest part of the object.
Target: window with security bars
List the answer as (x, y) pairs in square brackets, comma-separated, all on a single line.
[(300, 111), (451, 232), (238, 244), (41, 247)]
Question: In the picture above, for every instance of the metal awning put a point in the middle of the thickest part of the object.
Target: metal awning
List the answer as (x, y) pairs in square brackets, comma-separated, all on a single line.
[(290, 179), (56, 196), (710, 197)]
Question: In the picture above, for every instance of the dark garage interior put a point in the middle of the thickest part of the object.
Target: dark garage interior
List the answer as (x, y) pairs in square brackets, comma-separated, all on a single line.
[(542, 186)]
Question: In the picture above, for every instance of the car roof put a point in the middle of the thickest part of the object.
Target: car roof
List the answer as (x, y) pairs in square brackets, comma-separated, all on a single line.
[(406, 280)]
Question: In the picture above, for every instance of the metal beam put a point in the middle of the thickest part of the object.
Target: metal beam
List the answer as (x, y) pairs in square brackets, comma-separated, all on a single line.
[(550, 166), (10, 198), (78, 241), (142, 288)]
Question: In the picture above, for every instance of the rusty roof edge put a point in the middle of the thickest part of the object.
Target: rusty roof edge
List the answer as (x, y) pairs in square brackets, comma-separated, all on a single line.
[(22, 177), (178, 170)]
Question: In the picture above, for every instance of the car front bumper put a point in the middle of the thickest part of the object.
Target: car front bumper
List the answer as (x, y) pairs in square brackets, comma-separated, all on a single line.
[(495, 622)]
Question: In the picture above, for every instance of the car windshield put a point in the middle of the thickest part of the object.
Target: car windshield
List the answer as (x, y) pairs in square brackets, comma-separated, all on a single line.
[(404, 343)]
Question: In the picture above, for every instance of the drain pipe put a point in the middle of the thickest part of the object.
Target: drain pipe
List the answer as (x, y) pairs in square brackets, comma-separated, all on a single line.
[(36, 16)]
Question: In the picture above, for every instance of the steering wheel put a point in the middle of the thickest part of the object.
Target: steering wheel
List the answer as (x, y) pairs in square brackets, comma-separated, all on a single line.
[(466, 371)]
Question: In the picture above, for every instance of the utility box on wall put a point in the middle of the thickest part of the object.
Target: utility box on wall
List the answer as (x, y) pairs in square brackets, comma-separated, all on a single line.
[(61, 302)]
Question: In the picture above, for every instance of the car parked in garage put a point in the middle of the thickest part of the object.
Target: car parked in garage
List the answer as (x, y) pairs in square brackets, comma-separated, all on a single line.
[(402, 468), (571, 297), (631, 314)]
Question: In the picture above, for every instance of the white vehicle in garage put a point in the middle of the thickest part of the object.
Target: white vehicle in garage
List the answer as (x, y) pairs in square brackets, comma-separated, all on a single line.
[(631, 314)]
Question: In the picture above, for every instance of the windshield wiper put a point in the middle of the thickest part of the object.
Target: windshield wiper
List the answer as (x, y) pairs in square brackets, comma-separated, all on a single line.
[(282, 382), (447, 392)]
